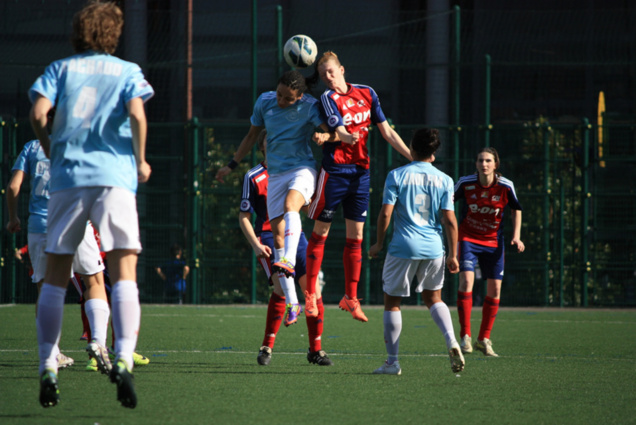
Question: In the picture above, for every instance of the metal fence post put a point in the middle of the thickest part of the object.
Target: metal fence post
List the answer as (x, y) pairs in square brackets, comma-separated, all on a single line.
[(585, 203), (546, 211), (194, 218)]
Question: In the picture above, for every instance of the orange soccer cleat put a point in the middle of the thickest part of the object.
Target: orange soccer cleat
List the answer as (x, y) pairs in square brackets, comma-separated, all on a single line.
[(353, 306)]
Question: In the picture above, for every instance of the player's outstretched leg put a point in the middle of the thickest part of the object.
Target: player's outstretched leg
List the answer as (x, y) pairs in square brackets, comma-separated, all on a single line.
[(123, 378), (49, 389)]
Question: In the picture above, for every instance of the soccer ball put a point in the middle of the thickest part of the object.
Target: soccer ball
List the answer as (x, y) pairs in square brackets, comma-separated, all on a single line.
[(300, 51)]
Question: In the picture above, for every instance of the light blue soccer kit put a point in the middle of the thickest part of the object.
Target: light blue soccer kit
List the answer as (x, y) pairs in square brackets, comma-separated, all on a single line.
[(91, 141), (34, 163), (418, 191)]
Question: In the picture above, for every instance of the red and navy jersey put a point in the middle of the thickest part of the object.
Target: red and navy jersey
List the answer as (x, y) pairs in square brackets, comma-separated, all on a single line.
[(355, 110), (254, 198), (483, 212)]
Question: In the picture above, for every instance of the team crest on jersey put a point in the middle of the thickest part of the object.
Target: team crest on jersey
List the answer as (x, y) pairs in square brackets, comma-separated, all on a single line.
[(361, 103), (350, 103), (292, 115), (245, 205), (496, 198), (333, 121)]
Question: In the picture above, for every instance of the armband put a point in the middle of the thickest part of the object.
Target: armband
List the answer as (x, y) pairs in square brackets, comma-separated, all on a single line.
[(232, 165)]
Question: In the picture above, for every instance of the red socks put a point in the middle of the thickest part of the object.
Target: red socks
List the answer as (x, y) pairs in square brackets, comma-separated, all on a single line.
[(464, 308), (352, 259), (489, 313), (314, 327), (315, 253), (275, 313)]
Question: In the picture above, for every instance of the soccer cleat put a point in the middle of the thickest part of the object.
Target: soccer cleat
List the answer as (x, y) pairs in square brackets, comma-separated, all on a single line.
[(123, 378), (91, 366), (456, 359), (466, 344), (140, 360), (284, 266), (64, 361), (84, 337), (311, 309), (264, 355), (319, 357), (389, 369), (353, 307), (49, 389), (485, 346), (291, 316), (100, 354)]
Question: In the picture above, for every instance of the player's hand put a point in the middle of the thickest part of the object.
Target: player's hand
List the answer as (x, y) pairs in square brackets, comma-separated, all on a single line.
[(520, 246), (13, 225), (320, 138), (220, 175), (143, 172), (452, 264), (18, 255), (262, 251), (374, 250)]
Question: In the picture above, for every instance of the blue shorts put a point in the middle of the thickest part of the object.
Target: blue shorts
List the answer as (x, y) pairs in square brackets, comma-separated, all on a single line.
[(491, 259), (267, 238), (349, 187)]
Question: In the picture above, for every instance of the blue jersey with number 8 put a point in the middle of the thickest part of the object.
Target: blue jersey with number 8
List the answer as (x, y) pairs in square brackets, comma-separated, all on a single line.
[(91, 140)]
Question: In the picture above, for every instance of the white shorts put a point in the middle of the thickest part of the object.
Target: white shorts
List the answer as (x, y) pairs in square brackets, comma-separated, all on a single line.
[(398, 273), (87, 260), (302, 180), (112, 210), (37, 244)]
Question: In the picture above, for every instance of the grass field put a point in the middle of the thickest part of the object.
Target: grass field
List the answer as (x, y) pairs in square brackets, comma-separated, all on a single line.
[(556, 367)]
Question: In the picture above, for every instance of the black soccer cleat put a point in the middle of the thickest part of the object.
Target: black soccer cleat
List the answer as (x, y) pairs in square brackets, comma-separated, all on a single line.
[(49, 390), (264, 355), (123, 378), (319, 357)]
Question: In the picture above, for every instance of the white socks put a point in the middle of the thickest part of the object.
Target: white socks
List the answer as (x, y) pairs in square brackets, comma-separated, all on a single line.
[(126, 318), (286, 283), (98, 312), (49, 324), (442, 318), (293, 229), (392, 330)]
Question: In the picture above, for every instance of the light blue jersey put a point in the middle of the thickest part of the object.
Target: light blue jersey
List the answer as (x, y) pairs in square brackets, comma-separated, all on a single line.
[(91, 141), (289, 131), (419, 191), (34, 163)]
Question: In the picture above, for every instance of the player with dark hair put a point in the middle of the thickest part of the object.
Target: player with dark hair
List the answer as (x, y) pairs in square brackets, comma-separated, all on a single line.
[(290, 116), (422, 198), (485, 193), (344, 177), (254, 200), (97, 152)]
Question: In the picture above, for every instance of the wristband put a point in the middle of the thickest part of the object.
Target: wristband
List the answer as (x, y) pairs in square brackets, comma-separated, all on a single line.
[(232, 165)]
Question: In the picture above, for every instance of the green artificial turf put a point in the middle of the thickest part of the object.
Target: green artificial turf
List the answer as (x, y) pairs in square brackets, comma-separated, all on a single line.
[(555, 367)]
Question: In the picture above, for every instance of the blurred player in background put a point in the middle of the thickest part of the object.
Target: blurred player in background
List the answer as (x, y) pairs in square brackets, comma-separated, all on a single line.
[(290, 116), (254, 200), (174, 272), (32, 162), (485, 194), (344, 177), (97, 151), (422, 198)]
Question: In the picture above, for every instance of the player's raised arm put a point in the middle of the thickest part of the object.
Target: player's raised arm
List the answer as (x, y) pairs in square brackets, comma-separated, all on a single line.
[(394, 139), (244, 148)]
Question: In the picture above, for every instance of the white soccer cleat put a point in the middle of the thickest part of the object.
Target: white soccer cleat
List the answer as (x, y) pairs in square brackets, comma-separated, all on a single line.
[(389, 369), (466, 344), (64, 361), (485, 346), (456, 359)]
